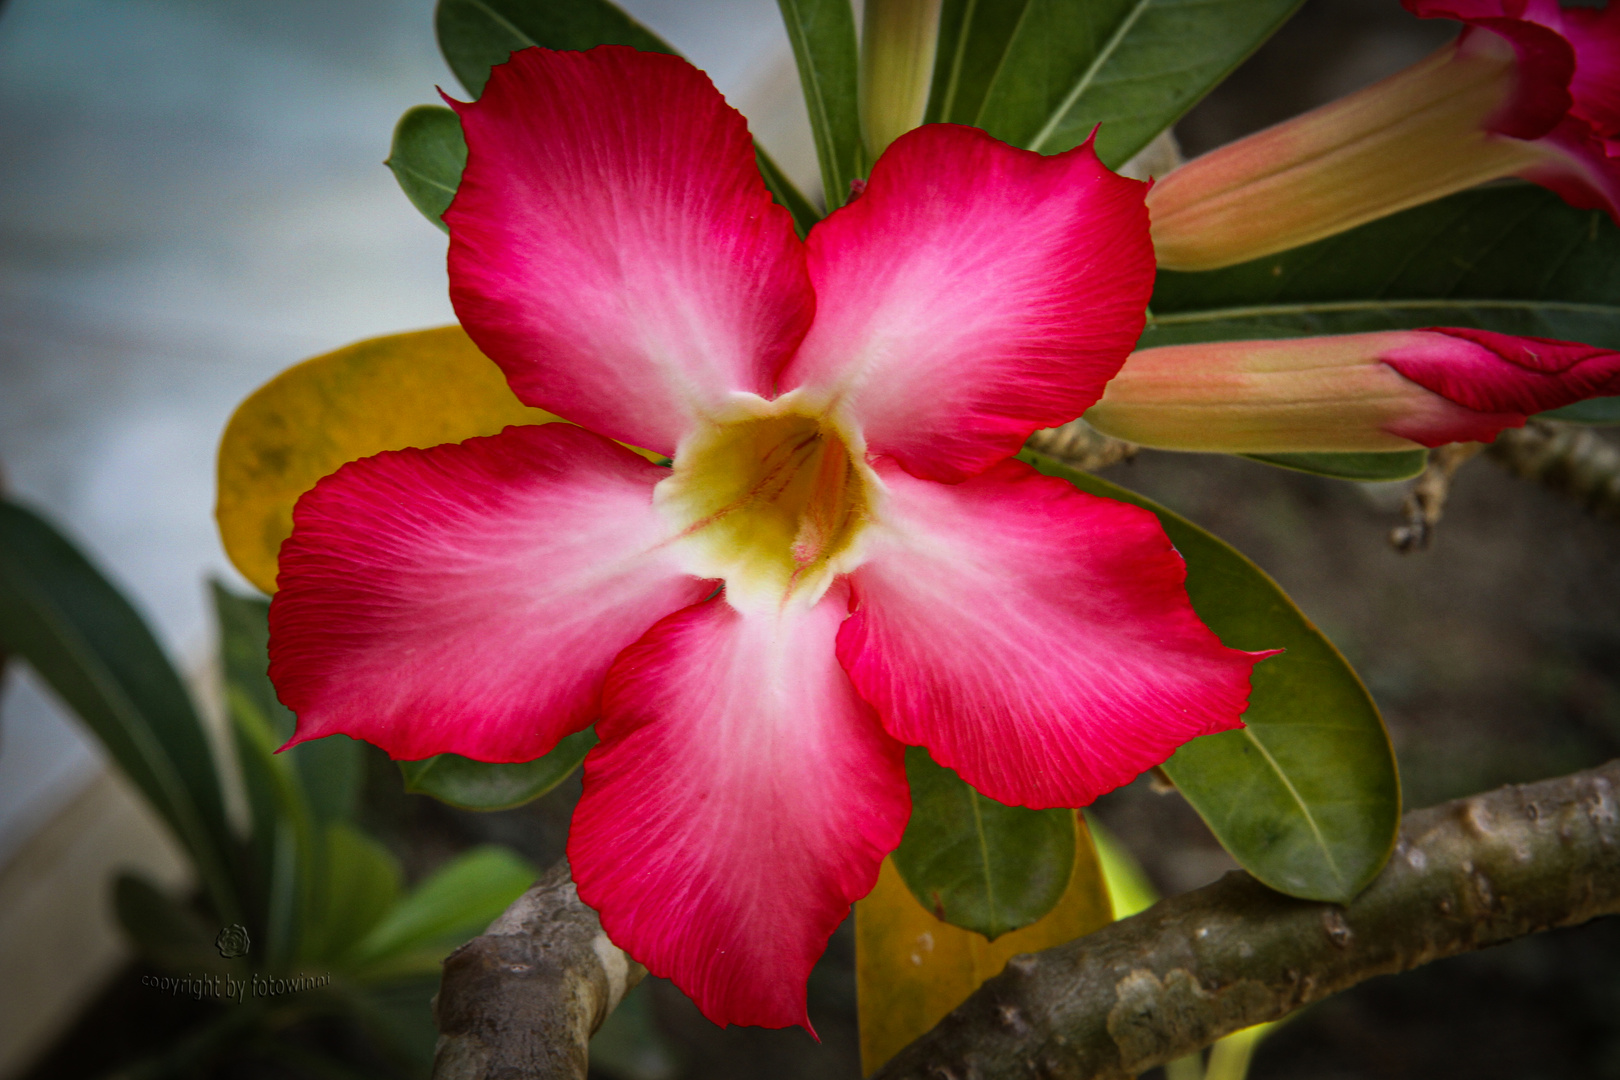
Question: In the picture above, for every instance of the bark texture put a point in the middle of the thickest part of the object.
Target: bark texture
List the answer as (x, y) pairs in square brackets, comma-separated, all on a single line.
[(521, 1001), (1465, 875)]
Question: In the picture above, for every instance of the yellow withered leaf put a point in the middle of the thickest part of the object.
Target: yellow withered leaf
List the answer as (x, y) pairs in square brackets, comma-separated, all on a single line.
[(418, 389), (911, 968)]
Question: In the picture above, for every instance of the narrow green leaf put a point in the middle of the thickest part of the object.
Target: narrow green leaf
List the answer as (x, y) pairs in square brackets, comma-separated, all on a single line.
[(455, 903), (976, 863), (1599, 412), (1398, 465), (1132, 66), (427, 156), (88, 643), (1306, 795), (475, 35), (973, 37), (480, 785), (328, 769), (1515, 259), (823, 36)]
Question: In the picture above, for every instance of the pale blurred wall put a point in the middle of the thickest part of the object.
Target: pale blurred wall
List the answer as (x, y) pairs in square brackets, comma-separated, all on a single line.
[(191, 199)]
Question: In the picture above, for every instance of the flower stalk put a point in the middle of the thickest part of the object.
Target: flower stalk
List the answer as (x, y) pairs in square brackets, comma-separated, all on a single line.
[(899, 38)]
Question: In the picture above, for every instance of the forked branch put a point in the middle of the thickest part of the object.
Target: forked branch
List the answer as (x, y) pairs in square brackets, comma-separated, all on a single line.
[(523, 1000)]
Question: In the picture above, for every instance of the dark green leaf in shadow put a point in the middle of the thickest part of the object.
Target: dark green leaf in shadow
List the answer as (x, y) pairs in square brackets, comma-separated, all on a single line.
[(973, 37), (475, 35), (1397, 465), (166, 931), (480, 785), (1132, 66), (427, 156), (1306, 795), (976, 863), (88, 643), (1515, 259), (823, 37), (1599, 412)]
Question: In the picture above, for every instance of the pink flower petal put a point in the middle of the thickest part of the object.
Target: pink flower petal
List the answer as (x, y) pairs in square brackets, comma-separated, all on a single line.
[(613, 247), (1581, 168), (1545, 61), (1034, 638), (974, 293), (470, 598), (1500, 373), (741, 799)]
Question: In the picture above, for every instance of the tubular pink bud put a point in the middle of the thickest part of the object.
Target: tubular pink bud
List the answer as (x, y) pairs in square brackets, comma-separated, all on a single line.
[(1396, 390), (1528, 89)]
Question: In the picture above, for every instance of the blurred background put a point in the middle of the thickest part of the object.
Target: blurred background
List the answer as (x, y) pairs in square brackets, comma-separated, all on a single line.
[(192, 198)]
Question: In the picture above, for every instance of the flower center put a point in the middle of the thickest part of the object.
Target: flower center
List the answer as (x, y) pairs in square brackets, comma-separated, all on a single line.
[(772, 503)]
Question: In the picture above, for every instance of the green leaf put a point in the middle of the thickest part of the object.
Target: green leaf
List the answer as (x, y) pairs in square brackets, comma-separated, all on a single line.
[(165, 930), (973, 37), (427, 156), (480, 785), (976, 863), (475, 35), (88, 643), (823, 37), (1129, 890), (359, 884), (1306, 795), (1515, 259), (1397, 465), (1132, 66), (1600, 412), (454, 904), (328, 769)]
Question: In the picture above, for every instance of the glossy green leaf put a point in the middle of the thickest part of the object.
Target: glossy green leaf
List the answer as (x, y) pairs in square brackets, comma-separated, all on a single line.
[(1514, 259), (973, 37), (1599, 412), (480, 785), (427, 156), (823, 36), (88, 643), (475, 35), (1132, 66), (165, 930), (1306, 795), (452, 905), (976, 863), (1399, 465)]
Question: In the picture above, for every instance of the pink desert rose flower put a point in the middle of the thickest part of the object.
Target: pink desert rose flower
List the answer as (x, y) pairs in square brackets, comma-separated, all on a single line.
[(1386, 391), (843, 558), (1528, 89)]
